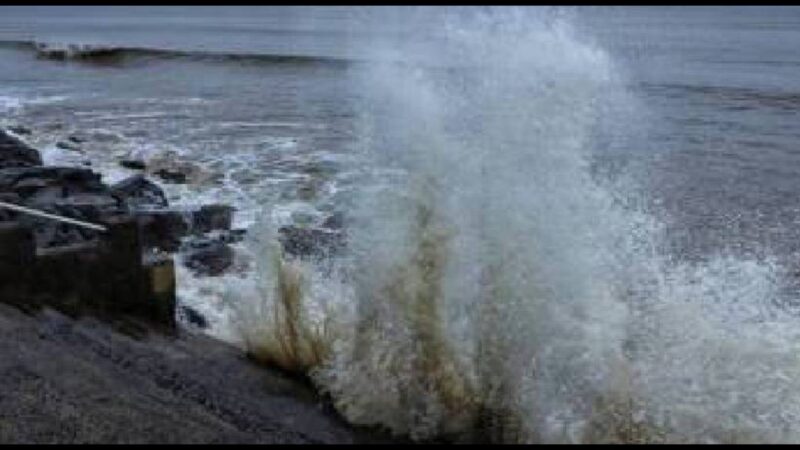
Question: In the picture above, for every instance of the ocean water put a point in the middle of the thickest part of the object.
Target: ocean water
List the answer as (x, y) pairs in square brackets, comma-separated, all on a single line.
[(564, 224)]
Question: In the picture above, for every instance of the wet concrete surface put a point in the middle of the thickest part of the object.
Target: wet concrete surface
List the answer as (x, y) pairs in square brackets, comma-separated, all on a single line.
[(65, 380)]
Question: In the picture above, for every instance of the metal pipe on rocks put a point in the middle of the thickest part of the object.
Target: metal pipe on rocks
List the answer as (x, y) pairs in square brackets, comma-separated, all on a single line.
[(42, 214)]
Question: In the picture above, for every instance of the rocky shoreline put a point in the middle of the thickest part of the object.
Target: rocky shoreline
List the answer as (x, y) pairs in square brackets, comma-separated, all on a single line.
[(79, 193), (90, 351), (200, 239), (73, 381)]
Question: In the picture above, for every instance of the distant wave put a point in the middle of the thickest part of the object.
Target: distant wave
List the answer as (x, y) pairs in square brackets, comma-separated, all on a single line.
[(119, 55)]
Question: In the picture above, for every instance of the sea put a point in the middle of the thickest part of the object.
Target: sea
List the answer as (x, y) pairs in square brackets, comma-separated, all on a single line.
[(564, 224)]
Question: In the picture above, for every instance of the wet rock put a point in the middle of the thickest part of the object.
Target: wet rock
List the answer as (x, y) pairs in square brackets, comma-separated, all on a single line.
[(9, 197), (139, 193), (232, 236), (334, 222), (207, 257), (20, 130), (68, 146), (61, 181), (70, 192), (50, 234), (92, 208), (77, 138), (162, 229), (212, 217), (303, 242), (76, 193), (133, 164), (174, 168), (194, 317), (171, 176), (15, 153)]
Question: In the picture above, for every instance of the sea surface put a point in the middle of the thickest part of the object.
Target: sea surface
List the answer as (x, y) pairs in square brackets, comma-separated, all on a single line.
[(686, 116)]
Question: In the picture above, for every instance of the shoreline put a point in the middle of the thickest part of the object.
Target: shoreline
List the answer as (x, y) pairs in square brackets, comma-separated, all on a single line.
[(79, 364), (82, 381)]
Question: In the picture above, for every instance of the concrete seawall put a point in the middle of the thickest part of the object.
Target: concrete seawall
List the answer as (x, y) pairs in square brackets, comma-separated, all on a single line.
[(110, 277)]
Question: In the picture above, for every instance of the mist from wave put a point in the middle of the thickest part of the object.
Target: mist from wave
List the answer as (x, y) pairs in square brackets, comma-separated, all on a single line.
[(495, 288)]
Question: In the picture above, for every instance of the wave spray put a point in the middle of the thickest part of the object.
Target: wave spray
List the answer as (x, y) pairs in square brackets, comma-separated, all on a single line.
[(493, 288)]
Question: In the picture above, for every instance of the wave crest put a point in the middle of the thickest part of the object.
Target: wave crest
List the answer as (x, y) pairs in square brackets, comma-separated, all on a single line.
[(495, 289), (119, 55)]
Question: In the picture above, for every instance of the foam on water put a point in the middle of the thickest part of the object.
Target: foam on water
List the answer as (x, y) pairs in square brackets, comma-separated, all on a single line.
[(494, 289), (8, 103), (53, 155)]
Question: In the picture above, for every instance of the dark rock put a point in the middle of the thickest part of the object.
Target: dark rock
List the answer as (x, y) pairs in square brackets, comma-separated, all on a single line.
[(140, 193), (68, 146), (50, 233), (162, 229), (207, 257), (171, 176), (76, 138), (17, 252), (15, 153), (133, 164), (212, 217), (232, 236), (334, 222), (64, 181), (194, 317), (9, 197), (70, 192), (302, 242), (20, 129)]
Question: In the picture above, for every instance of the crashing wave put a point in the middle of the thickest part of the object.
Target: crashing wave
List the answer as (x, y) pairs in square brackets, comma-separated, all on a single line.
[(68, 51), (119, 54), (495, 289)]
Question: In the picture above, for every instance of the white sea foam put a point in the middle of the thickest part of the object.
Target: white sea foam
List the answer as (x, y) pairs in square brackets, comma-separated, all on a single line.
[(493, 289), (8, 103)]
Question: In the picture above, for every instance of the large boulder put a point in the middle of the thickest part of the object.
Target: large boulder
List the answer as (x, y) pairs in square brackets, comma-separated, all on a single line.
[(70, 145), (163, 229), (7, 214), (232, 236), (172, 167), (133, 164), (139, 193), (212, 217), (173, 176), (20, 130), (193, 317), (70, 192), (15, 153), (207, 257), (60, 181)]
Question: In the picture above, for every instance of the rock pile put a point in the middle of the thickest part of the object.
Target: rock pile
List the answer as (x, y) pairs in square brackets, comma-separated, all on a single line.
[(83, 260), (79, 193)]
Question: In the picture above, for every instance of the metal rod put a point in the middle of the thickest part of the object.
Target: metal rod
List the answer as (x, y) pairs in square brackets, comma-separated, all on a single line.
[(58, 218)]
